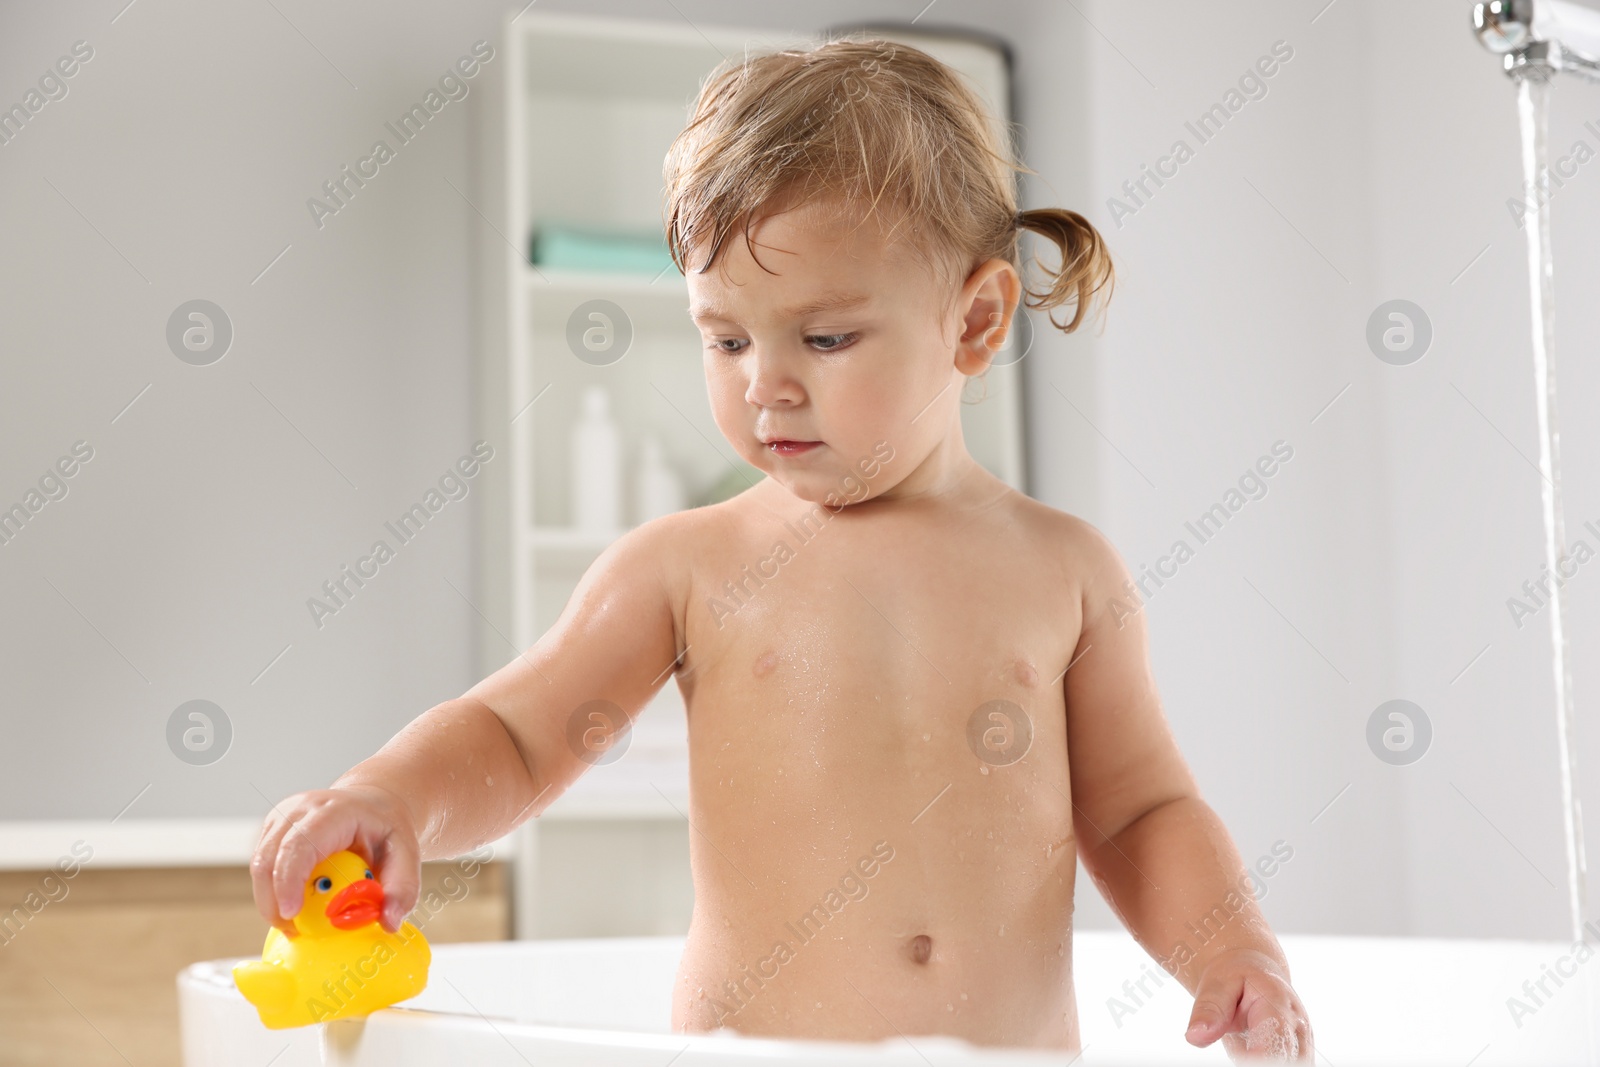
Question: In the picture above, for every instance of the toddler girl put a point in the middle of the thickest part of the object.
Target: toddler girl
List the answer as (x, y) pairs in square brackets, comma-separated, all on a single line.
[(911, 707)]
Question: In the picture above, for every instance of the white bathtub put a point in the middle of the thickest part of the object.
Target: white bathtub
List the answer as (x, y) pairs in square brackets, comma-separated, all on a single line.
[(1371, 1000)]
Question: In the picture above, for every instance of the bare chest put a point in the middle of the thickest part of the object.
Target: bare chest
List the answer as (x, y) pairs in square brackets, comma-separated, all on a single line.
[(866, 665)]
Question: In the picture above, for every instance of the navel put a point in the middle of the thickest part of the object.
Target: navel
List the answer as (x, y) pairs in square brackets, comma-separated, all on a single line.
[(921, 948), (764, 663)]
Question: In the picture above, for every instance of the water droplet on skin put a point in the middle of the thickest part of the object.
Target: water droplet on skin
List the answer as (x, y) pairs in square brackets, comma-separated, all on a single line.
[(1002, 930), (983, 769), (963, 996), (925, 737), (488, 779), (949, 1007)]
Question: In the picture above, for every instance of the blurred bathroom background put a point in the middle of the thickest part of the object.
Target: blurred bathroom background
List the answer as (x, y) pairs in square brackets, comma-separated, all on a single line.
[(259, 349)]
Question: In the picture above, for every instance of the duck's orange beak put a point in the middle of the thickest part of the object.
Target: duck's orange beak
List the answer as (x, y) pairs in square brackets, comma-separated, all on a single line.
[(356, 905)]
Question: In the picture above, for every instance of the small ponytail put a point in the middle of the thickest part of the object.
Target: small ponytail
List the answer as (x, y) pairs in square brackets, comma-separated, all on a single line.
[(1085, 262)]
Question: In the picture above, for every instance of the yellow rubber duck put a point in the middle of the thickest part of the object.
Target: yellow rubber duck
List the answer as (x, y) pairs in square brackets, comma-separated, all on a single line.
[(343, 963)]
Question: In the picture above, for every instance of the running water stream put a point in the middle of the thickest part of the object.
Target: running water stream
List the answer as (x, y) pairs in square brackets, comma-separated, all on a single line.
[(1533, 108)]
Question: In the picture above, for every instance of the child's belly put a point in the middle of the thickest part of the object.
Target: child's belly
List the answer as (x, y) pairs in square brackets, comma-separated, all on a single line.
[(899, 961), (881, 833)]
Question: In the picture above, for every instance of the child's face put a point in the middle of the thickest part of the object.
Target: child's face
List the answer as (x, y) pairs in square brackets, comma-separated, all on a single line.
[(878, 378)]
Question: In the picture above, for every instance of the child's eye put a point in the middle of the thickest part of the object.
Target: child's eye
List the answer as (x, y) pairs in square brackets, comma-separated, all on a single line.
[(835, 341), (324, 884), (830, 342)]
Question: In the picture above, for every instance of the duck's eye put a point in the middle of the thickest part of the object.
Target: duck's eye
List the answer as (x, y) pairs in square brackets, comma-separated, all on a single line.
[(324, 884), (369, 874)]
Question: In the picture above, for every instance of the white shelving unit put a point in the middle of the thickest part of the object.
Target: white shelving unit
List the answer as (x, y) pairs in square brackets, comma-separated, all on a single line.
[(572, 129)]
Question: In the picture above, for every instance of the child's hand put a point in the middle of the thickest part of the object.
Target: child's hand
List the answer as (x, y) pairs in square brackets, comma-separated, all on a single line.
[(307, 827), (1244, 997)]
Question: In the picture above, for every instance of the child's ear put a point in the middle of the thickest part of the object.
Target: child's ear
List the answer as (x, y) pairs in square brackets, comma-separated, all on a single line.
[(990, 298)]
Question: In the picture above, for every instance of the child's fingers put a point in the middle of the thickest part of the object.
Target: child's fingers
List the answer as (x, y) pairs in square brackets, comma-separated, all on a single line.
[(262, 863), (401, 878), (1216, 1003), (310, 827), (1256, 1012), (1275, 1025), (1308, 1043), (1273, 1038), (305, 843)]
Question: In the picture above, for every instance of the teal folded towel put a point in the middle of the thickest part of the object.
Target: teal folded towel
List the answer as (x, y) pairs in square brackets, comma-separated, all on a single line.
[(592, 249)]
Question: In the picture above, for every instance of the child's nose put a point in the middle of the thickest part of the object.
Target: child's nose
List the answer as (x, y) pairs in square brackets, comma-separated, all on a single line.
[(772, 381)]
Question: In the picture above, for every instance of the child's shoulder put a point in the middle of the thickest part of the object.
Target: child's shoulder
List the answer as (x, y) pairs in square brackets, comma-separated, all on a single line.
[(669, 545), (1081, 547), (1074, 530)]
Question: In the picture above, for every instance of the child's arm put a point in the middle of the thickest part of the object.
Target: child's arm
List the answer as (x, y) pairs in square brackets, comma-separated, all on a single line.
[(471, 769), (1158, 853)]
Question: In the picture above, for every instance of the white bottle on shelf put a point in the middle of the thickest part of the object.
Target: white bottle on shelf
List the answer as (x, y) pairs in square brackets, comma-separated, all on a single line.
[(658, 490), (596, 467)]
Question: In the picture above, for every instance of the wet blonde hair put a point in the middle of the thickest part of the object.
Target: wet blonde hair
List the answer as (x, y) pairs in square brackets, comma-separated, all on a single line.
[(867, 122)]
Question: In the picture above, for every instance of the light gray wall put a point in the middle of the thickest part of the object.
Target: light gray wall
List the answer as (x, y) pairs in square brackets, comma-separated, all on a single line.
[(1227, 333), (182, 559), (1376, 566), (1378, 166), (1483, 830)]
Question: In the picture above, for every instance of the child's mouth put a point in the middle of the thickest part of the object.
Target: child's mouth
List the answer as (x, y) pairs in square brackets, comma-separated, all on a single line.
[(791, 448)]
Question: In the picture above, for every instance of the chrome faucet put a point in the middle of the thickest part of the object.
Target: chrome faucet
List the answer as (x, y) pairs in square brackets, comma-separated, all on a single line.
[(1541, 37)]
